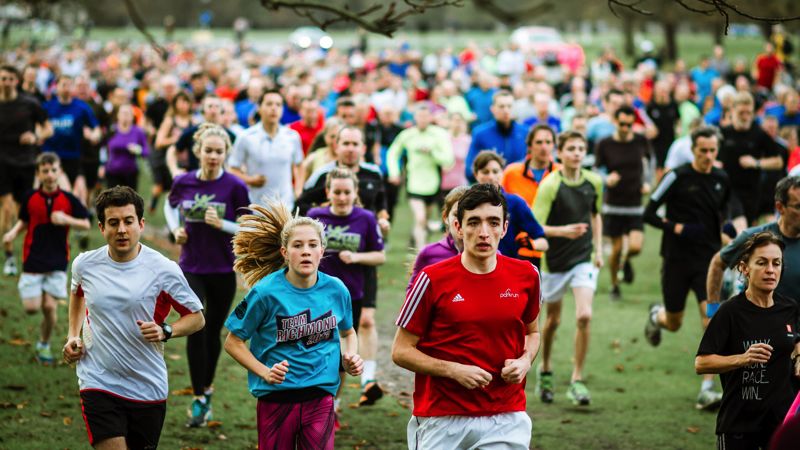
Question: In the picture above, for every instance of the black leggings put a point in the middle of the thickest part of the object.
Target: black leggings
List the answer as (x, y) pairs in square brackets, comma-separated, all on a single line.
[(216, 292)]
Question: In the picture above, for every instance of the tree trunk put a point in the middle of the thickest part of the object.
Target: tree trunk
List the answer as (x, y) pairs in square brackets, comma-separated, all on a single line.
[(718, 32), (670, 40), (627, 30)]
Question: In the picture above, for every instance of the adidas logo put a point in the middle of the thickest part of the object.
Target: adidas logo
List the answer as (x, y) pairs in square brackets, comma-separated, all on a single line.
[(458, 298)]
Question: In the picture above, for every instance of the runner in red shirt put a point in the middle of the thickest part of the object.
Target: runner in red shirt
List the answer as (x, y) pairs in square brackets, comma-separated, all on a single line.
[(767, 67), (468, 330), (310, 124)]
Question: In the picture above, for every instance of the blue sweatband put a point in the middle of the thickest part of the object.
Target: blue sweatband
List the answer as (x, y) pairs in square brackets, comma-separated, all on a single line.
[(711, 308)]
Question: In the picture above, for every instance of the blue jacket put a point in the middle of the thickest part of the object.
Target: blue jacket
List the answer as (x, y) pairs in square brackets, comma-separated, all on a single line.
[(487, 136)]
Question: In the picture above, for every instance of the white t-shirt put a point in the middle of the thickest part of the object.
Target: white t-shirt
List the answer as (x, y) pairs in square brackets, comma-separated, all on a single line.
[(118, 359), (271, 157)]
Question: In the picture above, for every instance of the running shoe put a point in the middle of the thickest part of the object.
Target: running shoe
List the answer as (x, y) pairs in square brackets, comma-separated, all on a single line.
[(372, 393), (544, 386), (200, 414), (615, 294), (652, 331), (10, 267), (708, 400), (44, 355), (627, 272), (578, 393)]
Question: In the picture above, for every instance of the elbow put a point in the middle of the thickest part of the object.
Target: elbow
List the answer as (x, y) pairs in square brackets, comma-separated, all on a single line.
[(542, 245), (198, 323), (228, 345), (397, 356)]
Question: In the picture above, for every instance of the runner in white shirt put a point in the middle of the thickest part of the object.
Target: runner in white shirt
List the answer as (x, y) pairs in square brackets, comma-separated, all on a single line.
[(120, 298), (267, 156)]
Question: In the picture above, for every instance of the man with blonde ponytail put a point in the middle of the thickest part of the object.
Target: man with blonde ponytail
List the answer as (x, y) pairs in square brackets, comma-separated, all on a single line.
[(299, 324)]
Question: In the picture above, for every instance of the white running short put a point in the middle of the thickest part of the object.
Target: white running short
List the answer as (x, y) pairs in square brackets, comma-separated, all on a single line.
[(33, 285), (554, 285), (507, 431)]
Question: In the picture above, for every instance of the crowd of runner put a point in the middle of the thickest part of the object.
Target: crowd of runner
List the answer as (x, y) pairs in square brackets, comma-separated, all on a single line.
[(287, 168)]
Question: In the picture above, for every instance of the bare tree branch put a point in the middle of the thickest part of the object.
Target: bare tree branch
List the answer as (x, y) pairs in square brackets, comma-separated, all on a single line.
[(722, 7), (632, 6), (386, 24), (138, 22), (511, 17)]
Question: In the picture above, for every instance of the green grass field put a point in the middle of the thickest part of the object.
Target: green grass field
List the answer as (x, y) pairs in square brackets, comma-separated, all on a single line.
[(643, 398)]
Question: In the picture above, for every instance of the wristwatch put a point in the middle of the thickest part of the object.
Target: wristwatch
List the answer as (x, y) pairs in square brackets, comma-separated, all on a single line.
[(167, 331)]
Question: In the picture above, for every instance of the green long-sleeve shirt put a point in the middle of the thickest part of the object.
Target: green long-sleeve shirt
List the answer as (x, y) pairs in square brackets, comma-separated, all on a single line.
[(428, 152)]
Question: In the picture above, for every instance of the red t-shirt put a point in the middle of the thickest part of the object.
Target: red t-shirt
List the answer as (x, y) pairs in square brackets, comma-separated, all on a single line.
[(307, 134), (767, 65), (471, 319)]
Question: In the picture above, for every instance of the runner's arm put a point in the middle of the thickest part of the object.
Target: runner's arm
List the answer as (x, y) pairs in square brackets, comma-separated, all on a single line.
[(13, 232), (716, 269), (76, 311), (406, 355), (348, 341), (188, 324), (238, 350)]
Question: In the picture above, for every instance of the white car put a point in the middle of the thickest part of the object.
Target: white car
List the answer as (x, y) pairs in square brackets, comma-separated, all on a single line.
[(311, 37)]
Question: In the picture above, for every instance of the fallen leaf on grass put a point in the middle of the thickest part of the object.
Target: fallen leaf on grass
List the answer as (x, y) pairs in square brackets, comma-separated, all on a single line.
[(174, 356), (214, 424), (353, 405), (191, 448), (46, 414), (22, 405), (404, 404), (185, 391), (404, 394), (15, 387), (634, 340), (245, 426), (7, 405), (619, 368), (354, 385), (566, 421), (222, 437), (693, 429), (19, 342), (67, 421), (616, 344), (392, 414), (620, 390)]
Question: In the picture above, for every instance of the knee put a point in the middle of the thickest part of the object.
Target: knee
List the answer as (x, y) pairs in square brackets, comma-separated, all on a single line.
[(673, 323), (366, 323), (583, 319), (634, 250), (31, 308), (553, 321)]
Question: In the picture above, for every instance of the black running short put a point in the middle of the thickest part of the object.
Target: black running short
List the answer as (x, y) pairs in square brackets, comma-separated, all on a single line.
[(72, 168), (678, 277), (428, 199), (16, 181), (618, 225), (108, 416)]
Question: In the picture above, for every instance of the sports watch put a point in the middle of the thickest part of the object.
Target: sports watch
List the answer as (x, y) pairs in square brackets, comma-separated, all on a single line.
[(167, 331)]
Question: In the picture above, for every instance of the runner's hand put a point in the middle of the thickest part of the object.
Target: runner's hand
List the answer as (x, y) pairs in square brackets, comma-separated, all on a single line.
[(598, 259), (385, 226), (394, 180), (757, 353), (347, 257), (151, 331), (27, 138), (575, 230), (514, 370), (73, 350), (212, 218), (180, 235), (471, 377), (277, 374), (353, 364), (9, 237), (257, 181), (59, 218), (612, 179)]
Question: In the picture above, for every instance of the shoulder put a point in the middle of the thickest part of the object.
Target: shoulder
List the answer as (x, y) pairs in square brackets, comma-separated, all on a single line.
[(369, 167), (514, 200), (593, 177), (230, 178), (317, 212), (289, 133), (359, 212), (514, 168), (327, 282), (68, 195), (89, 258), (720, 174), (483, 129), (184, 179)]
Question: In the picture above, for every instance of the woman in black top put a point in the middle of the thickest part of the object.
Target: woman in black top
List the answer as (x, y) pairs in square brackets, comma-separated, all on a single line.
[(750, 342)]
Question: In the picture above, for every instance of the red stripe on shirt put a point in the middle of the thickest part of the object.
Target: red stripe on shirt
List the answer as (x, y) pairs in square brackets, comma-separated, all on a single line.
[(86, 421), (164, 302)]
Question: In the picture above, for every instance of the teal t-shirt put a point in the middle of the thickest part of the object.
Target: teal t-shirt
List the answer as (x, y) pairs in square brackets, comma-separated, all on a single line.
[(283, 322)]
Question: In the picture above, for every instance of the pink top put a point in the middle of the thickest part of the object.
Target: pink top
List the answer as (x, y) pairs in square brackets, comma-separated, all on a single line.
[(456, 176)]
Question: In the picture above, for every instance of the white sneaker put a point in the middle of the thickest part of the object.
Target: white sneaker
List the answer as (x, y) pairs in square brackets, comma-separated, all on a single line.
[(10, 267)]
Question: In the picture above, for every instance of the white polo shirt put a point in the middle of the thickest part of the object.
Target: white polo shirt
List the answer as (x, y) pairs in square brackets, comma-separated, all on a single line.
[(271, 157), (118, 359)]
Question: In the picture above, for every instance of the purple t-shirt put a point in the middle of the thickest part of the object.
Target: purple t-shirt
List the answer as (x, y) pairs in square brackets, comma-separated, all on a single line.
[(432, 254), (208, 250), (120, 160), (357, 232)]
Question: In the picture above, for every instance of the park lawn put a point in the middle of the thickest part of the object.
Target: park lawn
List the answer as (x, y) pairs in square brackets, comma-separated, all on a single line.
[(642, 397)]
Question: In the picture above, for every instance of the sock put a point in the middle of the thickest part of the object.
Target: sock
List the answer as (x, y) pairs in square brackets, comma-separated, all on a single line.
[(654, 316), (706, 385), (208, 391), (369, 371), (200, 399), (42, 345), (336, 403), (153, 202)]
